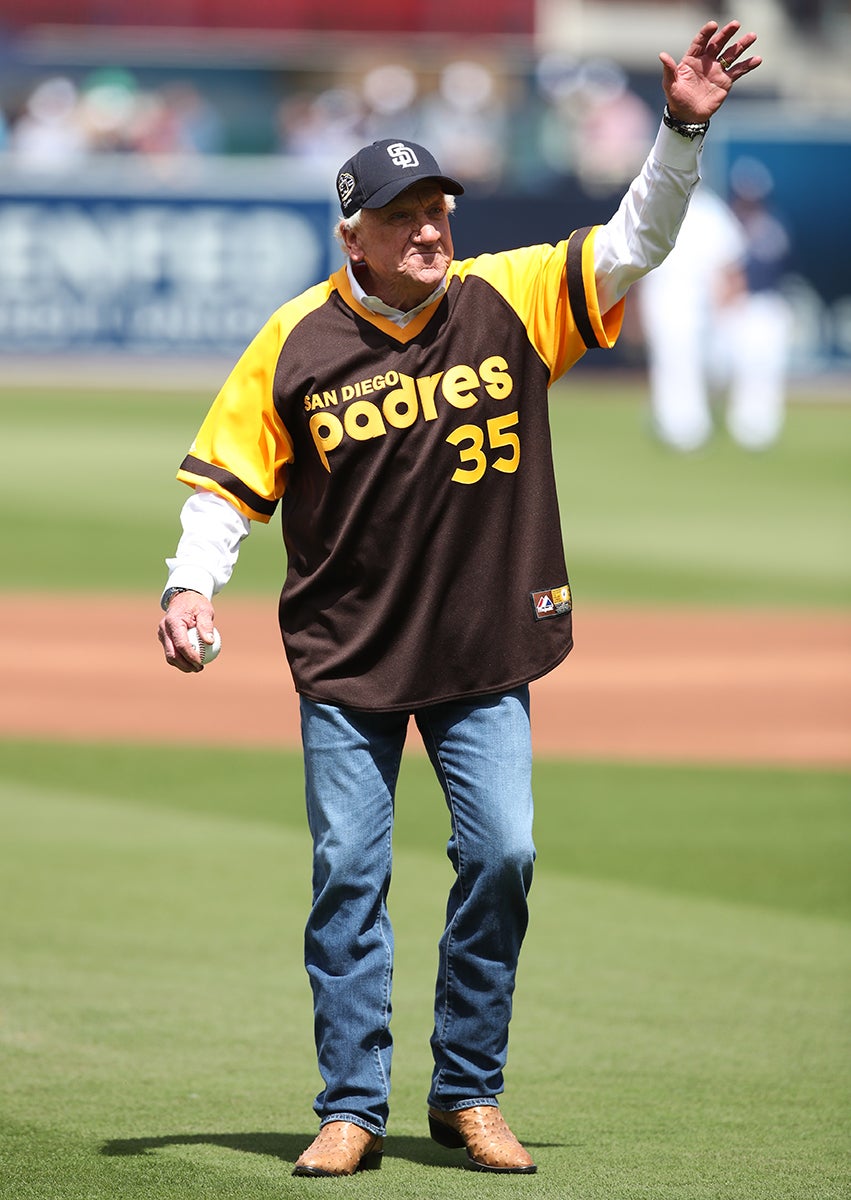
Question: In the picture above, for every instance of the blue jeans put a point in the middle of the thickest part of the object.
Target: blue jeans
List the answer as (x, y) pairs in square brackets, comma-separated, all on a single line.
[(481, 752)]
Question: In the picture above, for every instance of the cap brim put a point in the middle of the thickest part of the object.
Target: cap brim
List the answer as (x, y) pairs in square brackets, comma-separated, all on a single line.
[(391, 190)]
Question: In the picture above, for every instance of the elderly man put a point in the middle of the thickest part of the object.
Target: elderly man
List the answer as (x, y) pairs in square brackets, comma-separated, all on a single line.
[(397, 414)]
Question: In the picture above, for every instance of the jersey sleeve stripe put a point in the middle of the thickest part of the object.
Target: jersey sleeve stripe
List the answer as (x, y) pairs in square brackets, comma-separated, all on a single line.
[(229, 483), (576, 289)]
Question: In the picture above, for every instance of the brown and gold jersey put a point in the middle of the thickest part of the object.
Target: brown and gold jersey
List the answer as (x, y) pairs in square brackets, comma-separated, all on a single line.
[(414, 474)]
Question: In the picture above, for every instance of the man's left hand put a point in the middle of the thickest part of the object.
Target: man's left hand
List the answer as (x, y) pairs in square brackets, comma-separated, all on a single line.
[(697, 86)]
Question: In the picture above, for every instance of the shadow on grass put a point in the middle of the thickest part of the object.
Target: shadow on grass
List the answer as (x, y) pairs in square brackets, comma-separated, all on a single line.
[(286, 1146)]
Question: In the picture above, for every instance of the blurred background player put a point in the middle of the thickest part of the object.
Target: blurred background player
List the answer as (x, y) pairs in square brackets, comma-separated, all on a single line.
[(713, 318), (756, 327), (679, 306)]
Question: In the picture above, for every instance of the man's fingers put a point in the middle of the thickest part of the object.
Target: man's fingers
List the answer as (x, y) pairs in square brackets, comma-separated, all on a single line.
[(701, 39), (742, 68), (188, 610), (719, 40), (179, 653), (729, 55)]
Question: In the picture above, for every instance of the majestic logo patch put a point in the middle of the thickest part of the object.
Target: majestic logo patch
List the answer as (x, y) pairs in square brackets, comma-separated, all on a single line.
[(345, 186), (402, 155), (554, 602)]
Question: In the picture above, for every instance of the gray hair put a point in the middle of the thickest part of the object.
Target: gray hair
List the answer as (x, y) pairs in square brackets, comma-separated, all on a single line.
[(351, 223)]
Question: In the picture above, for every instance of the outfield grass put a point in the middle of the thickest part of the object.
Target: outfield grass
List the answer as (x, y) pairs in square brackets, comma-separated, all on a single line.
[(722, 526), (90, 500), (681, 1023)]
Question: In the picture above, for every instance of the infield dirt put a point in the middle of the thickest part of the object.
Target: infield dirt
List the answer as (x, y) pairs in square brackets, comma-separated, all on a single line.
[(642, 684)]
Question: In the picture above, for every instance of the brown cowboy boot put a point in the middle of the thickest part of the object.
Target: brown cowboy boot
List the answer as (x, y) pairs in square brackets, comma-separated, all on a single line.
[(491, 1146), (341, 1148)]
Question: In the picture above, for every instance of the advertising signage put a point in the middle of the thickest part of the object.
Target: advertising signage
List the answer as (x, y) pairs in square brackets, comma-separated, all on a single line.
[(120, 260)]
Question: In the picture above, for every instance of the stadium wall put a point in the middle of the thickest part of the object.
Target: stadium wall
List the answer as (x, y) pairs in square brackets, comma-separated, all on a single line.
[(189, 257)]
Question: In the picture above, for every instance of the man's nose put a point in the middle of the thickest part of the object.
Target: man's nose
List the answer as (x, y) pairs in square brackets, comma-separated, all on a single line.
[(426, 231)]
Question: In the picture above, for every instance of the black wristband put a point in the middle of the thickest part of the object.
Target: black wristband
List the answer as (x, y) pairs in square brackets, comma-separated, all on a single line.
[(684, 128)]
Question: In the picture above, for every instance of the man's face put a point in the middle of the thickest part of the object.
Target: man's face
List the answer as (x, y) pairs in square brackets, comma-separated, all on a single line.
[(405, 248)]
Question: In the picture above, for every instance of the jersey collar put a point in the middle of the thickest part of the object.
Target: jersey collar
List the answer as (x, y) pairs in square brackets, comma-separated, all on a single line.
[(396, 315)]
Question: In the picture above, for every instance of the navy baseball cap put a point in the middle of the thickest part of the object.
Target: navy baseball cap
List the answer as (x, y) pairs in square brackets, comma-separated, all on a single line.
[(378, 173)]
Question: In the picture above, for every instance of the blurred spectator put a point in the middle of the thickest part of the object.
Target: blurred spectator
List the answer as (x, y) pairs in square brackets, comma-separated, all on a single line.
[(614, 127), (809, 16), (557, 79), (324, 126), (108, 103), (390, 94), (593, 125), (464, 119), (49, 132), (109, 113), (465, 123), (176, 120)]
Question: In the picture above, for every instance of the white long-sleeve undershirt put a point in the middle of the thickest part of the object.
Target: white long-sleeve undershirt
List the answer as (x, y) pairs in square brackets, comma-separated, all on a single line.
[(209, 545), (635, 240)]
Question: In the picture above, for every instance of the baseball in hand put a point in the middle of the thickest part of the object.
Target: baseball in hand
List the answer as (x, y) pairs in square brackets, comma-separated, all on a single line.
[(208, 652)]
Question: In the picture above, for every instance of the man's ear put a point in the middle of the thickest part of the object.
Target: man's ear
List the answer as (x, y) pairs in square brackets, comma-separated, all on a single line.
[(350, 241)]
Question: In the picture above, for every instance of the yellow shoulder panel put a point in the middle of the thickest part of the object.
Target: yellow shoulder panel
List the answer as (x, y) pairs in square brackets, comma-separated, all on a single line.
[(533, 281), (242, 449)]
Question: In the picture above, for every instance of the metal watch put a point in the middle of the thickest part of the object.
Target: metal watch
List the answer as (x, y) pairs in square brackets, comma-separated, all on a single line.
[(169, 594)]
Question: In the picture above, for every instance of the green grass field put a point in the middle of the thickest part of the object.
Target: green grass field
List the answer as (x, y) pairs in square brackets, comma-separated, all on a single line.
[(681, 1022), (682, 1018), (90, 500)]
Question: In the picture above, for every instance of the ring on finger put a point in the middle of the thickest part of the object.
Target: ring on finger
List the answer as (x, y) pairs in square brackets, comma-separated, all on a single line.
[(722, 60)]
